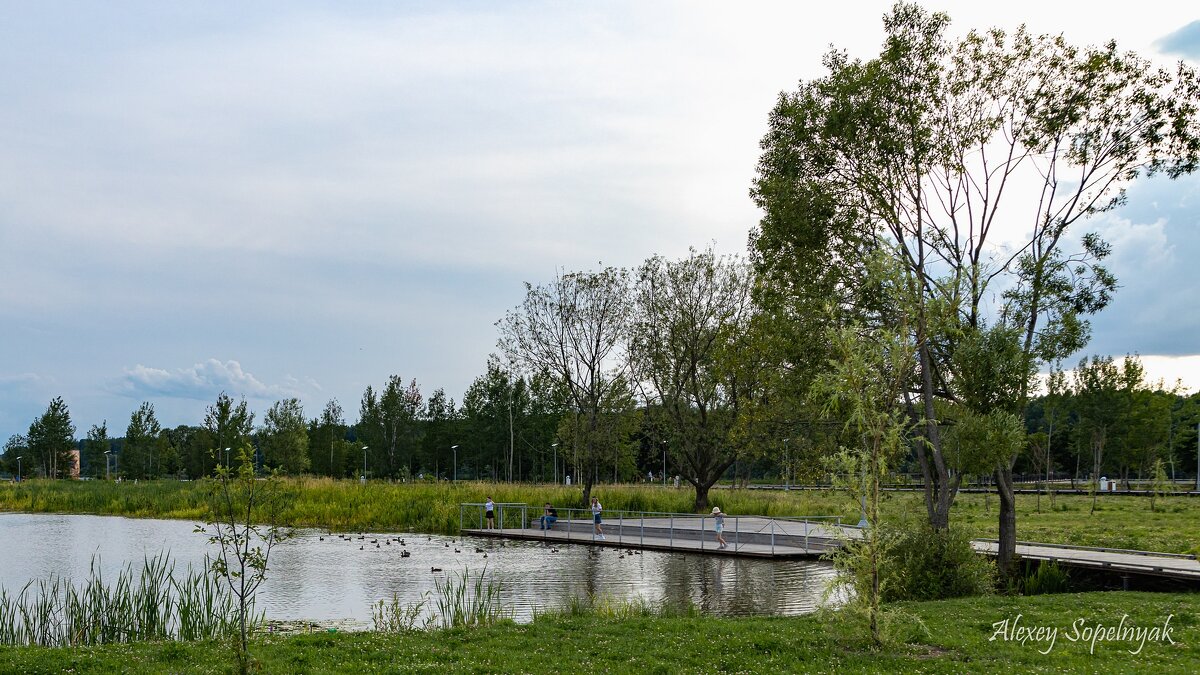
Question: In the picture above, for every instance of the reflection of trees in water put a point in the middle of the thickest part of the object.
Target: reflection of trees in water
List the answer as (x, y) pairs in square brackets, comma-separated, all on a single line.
[(722, 585)]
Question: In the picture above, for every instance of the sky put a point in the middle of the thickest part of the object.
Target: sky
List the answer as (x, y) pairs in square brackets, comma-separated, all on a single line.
[(279, 199)]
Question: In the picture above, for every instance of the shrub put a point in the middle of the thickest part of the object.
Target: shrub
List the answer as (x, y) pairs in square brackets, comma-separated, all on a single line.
[(926, 564), (1045, 579)]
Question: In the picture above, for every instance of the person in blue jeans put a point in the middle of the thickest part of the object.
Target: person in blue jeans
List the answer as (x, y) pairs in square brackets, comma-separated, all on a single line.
[(549, 517)]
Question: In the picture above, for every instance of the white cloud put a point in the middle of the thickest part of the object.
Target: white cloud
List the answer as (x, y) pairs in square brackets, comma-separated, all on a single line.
[(202, 381)]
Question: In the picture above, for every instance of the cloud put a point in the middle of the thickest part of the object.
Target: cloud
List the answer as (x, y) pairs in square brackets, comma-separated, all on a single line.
[(1184, 42), (203, 381)]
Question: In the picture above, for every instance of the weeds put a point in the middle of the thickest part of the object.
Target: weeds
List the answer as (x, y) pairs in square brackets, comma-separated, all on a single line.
[(147, 605)]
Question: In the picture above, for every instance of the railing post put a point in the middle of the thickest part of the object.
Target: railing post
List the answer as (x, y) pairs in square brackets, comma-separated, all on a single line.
[(772, 537), (620, 524), (702, 533), (737, 527), (672, 529), (642, 530), (806, 535), (569, 510)]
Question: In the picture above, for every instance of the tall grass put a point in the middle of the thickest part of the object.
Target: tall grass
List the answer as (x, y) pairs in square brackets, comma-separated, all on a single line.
[(1123, 522), (150, 604), (470, 600), (347, 506)]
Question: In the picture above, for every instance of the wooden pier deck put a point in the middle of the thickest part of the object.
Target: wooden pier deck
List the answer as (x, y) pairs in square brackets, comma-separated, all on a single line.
[(762, 537), (747, 536)]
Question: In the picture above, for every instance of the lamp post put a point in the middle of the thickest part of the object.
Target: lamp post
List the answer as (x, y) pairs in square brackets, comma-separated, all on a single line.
[(19, 467), (107, 456), (555, 446), (454, 449), (226, 458), (364, 473)]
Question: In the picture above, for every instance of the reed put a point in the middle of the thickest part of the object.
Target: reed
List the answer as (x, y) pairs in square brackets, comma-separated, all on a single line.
[(149, 604), (393, 616), (469, 600)]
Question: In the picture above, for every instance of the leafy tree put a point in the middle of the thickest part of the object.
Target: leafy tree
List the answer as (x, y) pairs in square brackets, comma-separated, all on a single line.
[(684, 341), (871, 369), (50, 439), (94, 449), (1103, 393), (227, 425), (284, 437), (326, 441), (238, 501), (574, 328), (920, 152), (141, 443), (388, 425), (16, 446), (440, 415)]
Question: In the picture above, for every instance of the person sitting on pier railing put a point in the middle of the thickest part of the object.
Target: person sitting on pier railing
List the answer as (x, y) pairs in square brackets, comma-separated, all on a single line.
[(548, 518)]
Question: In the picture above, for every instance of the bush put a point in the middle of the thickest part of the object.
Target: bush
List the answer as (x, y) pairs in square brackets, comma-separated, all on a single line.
[(926, 564), (1047, 578)]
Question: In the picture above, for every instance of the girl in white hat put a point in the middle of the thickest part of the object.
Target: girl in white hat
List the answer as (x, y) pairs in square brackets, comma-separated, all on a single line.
[(719, 526)]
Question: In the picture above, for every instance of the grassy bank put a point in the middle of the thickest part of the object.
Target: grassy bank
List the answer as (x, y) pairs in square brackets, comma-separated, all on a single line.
[(1120, 521), (955, 638)]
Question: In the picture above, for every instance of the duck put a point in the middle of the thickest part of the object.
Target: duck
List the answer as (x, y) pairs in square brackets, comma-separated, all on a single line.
[(478, 550), (457, 551), (435, 569), (376, 545), (361, 548)]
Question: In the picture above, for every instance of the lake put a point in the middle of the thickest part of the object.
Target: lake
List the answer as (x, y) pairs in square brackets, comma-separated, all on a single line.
[(334, 581)]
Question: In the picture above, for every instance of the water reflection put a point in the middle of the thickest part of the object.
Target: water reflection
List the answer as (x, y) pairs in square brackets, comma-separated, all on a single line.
[(337, 579)]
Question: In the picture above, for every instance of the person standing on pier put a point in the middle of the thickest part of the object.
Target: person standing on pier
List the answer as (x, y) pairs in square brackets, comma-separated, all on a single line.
[(719, 526), (489, 512), (596, 509)]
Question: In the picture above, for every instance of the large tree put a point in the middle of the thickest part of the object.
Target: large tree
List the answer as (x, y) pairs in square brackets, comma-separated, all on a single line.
[(284, 437), (946, 151), (388, 426), (574, 327), (95, 447), (50, 440), (226, 425), (141, 443), (689, 316)]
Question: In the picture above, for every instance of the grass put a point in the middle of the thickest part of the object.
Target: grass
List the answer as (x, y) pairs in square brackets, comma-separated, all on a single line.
[(150, 604), (955, 637), (1121, 521)]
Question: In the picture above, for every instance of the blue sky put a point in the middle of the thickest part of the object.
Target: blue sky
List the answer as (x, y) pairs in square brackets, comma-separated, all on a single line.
[(299, 199)]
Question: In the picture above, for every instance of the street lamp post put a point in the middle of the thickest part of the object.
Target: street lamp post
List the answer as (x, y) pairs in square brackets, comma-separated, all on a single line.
[(226, 458), (107, 456), (454, 448), (364, 474), (555, 446), (19, 467)]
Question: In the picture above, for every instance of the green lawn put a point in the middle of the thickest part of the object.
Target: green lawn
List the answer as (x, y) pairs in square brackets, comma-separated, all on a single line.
[(955, 638), (1120, 522)]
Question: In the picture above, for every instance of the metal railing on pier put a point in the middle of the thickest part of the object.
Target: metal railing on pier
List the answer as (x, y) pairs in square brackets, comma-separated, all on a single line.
[(693, 532)]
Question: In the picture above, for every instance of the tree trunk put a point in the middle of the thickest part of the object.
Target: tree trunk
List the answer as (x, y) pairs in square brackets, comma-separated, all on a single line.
[(1007, 539)]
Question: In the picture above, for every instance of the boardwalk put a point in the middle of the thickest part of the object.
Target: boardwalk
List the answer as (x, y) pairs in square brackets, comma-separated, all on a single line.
[(791, 538), (748, 536), (1134, 563)]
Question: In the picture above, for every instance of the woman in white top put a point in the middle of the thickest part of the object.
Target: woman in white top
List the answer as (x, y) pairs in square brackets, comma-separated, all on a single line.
[(596, 509)]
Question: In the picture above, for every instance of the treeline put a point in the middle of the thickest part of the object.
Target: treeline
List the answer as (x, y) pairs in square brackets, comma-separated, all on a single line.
[(1105, 418)]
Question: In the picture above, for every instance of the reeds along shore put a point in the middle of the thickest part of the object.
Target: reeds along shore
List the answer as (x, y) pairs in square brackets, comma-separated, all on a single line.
[(150, 603)]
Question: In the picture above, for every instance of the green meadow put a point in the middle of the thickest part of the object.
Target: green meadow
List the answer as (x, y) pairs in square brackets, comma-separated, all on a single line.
[(344, 505)]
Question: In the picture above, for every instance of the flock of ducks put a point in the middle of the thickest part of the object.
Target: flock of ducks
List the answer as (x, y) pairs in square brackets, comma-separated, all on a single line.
[(405, 553)]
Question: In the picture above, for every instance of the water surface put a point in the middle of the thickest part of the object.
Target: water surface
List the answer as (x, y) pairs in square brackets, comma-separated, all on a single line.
[(334, 580)]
